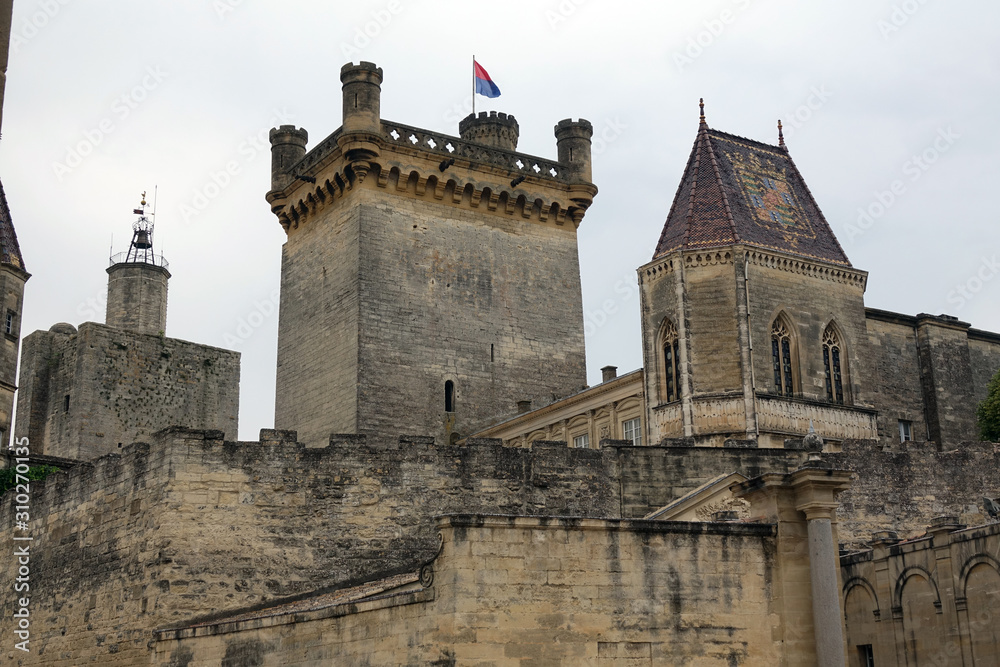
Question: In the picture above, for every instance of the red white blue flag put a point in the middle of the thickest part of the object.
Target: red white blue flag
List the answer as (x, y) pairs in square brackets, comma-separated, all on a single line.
[(484, 84)]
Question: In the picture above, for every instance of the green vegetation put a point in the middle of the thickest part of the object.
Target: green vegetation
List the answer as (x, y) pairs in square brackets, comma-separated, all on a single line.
[(988, 412), (8, 476)]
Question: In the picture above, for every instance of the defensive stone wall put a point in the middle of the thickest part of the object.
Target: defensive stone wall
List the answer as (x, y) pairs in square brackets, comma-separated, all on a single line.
[(87, 393), (907, 485), (164, 531), (536, 591)]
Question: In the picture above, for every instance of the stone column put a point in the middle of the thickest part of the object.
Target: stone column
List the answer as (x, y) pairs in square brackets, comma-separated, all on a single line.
[(784, 499), (825, 589)]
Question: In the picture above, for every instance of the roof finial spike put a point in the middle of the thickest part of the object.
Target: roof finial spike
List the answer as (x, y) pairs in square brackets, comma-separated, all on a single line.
[(781, 136), (701, 105)]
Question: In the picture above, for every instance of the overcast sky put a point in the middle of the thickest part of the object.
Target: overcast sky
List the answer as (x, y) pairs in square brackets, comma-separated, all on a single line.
[(890, 107)]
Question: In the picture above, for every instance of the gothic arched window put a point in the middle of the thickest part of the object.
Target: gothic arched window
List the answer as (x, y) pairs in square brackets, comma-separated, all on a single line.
[(670, 347), (781, 356), (832, 360)]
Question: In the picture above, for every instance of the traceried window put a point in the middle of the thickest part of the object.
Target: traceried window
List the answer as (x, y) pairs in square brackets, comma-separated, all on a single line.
[(632, 430), (671, 362), (781, 357), (832, 353)]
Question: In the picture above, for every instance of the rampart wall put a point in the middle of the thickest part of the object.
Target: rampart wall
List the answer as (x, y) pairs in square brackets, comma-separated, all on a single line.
[(190, 523)]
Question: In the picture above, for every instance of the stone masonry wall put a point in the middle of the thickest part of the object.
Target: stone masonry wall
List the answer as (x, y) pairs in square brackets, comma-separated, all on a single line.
[(189, 524), (167, 531), (930, 371), (984, 354), (137, 298), (810, 304), (11, 300), (896, 374), (317, 373), (903, 488), (90, 393), (488, 302), (510, 591)]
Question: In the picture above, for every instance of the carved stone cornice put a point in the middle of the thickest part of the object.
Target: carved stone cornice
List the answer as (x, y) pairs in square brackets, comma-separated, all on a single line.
[(408, 160)]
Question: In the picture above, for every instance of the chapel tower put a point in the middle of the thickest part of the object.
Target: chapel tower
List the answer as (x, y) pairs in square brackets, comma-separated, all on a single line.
[(753, 318), (429, 282)]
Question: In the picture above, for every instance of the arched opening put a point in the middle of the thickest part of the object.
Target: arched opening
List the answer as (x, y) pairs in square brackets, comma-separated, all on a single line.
[(833, 361), (670, 365), (449, 396), (782, 352)]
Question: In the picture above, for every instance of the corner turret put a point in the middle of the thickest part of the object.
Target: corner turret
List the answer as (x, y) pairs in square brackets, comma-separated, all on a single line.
[(362, 129), (573, 144), (288, 145)]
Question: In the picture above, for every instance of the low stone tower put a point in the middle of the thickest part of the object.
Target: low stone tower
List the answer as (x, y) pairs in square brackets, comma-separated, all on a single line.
[(429, 282), (490, 129), (89, 391), (137, 283)]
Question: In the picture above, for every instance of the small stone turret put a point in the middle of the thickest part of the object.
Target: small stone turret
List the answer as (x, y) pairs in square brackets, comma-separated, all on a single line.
[(573, 144), (492, 129), (288, 145), (362, 89), (137, 283)]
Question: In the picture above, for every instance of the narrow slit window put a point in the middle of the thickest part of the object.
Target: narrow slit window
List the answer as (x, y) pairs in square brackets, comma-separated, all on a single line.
[(449, 396)]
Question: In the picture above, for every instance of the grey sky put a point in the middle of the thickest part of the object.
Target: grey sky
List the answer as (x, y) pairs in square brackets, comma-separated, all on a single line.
[(875, 97)]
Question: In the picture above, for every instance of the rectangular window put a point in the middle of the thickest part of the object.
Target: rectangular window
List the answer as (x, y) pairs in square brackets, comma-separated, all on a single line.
[(9, 326), (866, 656), (632, 430), (582, 441), (905, 430), (66, 403)]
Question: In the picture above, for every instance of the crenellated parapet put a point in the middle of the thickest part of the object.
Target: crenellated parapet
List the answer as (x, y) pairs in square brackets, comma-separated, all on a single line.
[(479, 167)]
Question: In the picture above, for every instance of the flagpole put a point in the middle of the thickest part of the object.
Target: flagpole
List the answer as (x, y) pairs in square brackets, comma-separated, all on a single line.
[(473, 85)]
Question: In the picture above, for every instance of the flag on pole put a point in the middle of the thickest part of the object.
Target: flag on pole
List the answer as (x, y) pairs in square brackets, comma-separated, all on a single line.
[(484, 84)]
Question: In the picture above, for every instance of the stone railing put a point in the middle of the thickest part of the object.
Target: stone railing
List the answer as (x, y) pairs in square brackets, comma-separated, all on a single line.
[(436, 142), (840, 422), (712, 414), (719, 415), (668, 421)]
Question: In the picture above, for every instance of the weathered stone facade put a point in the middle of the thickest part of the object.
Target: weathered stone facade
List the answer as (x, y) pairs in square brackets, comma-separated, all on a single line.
[(137, 297), (413, 270), (934, 600), (191, 523), (589, 592), (90, 392)]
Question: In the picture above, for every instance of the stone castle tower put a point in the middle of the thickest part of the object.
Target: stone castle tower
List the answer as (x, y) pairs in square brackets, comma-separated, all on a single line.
[(410, 276), (779, 349), (89, 391)]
